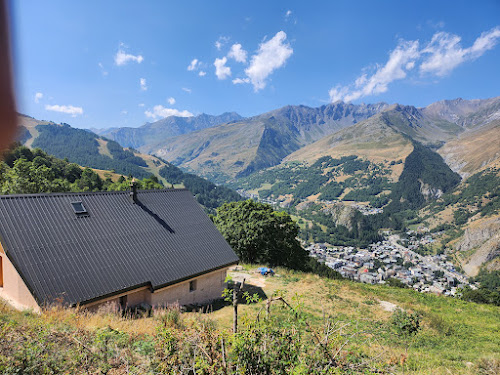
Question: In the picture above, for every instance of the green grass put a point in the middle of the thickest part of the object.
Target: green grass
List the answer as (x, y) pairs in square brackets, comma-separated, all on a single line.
[(454, 332), (456, 337)]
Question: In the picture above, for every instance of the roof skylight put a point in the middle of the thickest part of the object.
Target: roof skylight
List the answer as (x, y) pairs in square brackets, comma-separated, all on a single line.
[(78, 207)]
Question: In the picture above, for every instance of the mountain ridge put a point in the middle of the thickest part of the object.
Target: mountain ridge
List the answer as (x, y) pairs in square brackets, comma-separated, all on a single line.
[(263, 144), (165, 128)]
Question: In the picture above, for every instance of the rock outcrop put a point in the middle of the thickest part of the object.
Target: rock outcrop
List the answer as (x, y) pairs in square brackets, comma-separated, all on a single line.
[(342, 214), (484, 237)]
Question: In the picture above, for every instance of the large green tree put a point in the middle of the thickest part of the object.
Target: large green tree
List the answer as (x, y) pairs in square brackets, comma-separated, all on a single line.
[(258, 234)]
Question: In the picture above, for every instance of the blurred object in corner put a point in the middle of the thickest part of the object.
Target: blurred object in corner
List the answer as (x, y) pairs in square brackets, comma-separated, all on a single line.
[(8, 115)]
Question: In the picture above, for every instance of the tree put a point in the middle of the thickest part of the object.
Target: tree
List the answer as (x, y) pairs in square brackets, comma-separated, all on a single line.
[(258, 234), (90, 181)]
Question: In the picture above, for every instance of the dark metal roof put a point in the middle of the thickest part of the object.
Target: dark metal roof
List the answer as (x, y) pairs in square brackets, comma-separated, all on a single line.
[(115, 246)]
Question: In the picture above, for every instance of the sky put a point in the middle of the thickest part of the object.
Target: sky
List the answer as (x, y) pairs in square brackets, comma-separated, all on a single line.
[(102, 64)]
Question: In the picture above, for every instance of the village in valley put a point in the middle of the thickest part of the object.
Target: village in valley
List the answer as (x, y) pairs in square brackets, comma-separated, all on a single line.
[(388, 260), (394, 258)]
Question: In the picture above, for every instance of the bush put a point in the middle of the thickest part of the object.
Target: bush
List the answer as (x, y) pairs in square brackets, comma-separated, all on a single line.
[(395, 283), (405, 324)]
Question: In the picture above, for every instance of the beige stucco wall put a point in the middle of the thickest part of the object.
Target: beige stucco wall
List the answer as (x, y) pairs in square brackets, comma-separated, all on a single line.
[(14, 289), (136, 298), (208, 287)]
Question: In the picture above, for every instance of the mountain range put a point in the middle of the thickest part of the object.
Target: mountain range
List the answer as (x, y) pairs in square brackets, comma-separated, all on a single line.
[(396, 157), (159, 131), (228, 146), (376, 153), (242, 147)]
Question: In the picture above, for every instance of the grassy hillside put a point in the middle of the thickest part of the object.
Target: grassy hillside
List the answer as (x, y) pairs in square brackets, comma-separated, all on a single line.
[(331, 327), (415, 124), (217, 153), (298, 133), (370, 139), (474, 150), (85, 148), (26, 171)]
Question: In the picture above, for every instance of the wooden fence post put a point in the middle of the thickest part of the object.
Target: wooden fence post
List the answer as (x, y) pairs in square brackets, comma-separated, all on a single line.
[(236, 291)]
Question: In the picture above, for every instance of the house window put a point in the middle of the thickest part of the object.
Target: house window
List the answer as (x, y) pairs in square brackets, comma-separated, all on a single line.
[(192, 285)]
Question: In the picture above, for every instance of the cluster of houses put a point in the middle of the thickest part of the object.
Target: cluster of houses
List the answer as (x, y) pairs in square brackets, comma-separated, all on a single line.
[(383, 261), (417, 238), (367, 209)]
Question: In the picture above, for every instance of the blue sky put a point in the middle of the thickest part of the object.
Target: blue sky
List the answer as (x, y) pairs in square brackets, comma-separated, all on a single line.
[(100, 64)]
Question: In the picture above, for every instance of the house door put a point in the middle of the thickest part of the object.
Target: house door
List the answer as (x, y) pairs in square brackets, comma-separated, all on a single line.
[(123, 302), (1, 272)]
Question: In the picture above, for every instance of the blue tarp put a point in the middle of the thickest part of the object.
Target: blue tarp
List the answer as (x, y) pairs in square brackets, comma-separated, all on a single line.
[(265, 271)]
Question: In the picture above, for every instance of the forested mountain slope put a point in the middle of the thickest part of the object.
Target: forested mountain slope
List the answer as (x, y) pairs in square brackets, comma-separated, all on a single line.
[(90, 150)]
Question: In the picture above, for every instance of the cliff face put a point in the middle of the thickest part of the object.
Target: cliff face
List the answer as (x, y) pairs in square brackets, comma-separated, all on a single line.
[(342, 214), (484, 236), (429, 192)]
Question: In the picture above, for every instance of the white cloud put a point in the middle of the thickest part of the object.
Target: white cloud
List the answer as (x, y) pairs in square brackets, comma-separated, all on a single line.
[(395, 68), (401, 60), (288, 13), (69, 109), (238, 53), (444, 52), (171, 101), (337, 93), (219, 43), (141, 104), (194, 65), (270, 56), (438, 58), (160, 111), (221, 70), (38, 96), (103, 71), (122, 58), (143, 84), (238, 81), (410, 65), (436, 24), (124, 112), (202, 73), (187, 90)]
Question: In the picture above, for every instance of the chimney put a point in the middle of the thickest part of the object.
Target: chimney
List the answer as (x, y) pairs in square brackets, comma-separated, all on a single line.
[(133, 191)]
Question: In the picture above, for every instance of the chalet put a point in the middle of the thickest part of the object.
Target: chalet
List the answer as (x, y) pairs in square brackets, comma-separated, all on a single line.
[(155, 246)]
